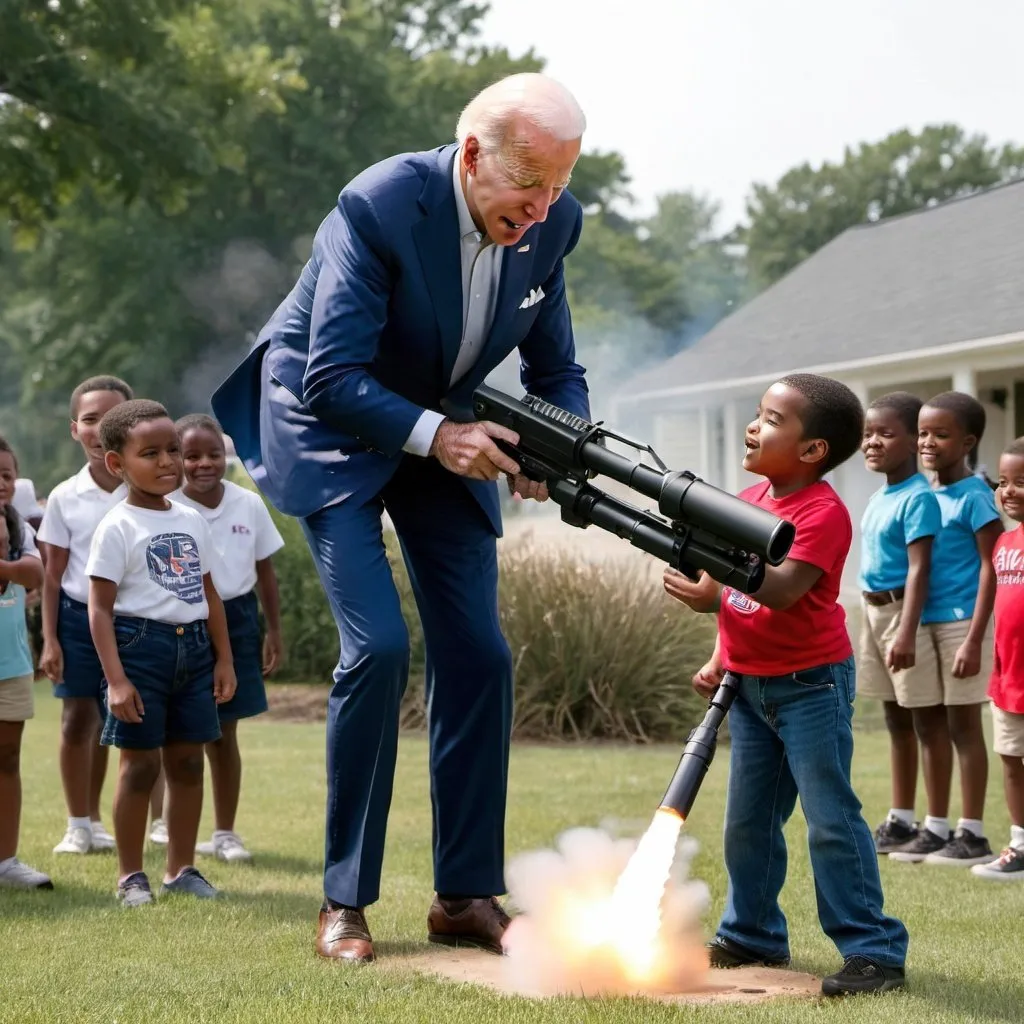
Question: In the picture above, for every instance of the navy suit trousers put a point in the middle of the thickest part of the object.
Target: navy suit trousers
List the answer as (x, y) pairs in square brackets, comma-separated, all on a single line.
[(449, 548)]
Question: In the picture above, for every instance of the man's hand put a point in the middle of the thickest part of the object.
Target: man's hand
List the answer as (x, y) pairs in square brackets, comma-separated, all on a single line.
[(527, 488), (467, 449), (706, 681), (902, 653), (967, 662), (703, 595), (124, 702), (51, 662)]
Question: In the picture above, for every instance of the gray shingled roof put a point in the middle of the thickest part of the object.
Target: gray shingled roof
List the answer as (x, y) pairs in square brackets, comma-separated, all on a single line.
[(951, 273)]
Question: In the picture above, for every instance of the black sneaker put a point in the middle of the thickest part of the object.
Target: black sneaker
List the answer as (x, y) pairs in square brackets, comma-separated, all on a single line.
[(134, 891), (859, 975), (1008, 868), (925, 843), (892, 834), (726, 954), (964, 849)]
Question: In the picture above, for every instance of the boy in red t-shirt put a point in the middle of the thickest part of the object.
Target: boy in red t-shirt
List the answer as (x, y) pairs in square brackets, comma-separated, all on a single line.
[(1006, 687), (791, 723)]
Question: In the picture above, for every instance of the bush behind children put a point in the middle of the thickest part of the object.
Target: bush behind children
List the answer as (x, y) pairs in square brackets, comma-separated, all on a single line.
[(791, 722)]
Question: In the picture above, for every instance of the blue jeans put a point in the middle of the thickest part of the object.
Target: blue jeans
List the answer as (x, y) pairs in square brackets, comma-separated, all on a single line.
[(793, 736), (250, 699)]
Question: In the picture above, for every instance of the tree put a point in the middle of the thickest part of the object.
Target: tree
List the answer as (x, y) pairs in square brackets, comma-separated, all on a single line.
[(809, 207)]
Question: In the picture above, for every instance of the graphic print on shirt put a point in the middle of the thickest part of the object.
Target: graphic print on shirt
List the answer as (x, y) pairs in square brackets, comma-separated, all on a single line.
[(174, 564), (1009, 566), (741, 602)]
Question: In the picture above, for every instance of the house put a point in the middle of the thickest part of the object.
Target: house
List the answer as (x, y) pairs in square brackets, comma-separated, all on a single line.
[(924, 302)]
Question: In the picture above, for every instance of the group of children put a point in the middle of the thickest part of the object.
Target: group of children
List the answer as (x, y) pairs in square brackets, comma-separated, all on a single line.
[(935, 560), (149, 563)]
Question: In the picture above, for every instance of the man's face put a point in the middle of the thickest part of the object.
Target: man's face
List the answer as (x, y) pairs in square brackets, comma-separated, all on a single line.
[(511, 190)]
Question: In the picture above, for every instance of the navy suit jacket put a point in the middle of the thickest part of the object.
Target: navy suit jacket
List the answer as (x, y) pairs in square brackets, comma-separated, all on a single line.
[(320, 408)]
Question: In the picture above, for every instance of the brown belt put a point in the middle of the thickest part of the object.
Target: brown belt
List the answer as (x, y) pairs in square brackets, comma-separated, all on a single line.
[(883, 597)]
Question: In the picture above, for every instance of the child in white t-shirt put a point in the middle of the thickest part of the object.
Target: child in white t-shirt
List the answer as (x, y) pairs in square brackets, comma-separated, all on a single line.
[(160, 632), (73, 511), (244, 537), (20, 569)]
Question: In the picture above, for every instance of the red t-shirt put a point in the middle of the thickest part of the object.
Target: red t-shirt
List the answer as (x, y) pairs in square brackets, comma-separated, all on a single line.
[(1006, 688), (759, 641)]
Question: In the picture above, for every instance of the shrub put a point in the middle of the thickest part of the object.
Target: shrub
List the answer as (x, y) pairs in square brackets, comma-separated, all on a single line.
[(599, 651)]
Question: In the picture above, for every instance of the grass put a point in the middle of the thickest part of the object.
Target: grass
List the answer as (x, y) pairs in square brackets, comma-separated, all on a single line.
[(73, 955)]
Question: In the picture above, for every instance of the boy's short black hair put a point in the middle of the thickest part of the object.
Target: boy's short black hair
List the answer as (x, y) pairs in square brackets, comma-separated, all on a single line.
[(15, 533), (969, 412), (120, 421), (198, 421), (832, 412), (905, 405), (1015, 447), (104, 382)]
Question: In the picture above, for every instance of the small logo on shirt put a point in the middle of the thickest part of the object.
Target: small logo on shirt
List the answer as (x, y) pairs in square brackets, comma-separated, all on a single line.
[(240, 528), (741, 602), (174, 564)]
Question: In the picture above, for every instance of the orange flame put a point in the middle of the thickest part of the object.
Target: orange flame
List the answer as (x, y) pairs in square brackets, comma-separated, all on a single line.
[(601, 917)]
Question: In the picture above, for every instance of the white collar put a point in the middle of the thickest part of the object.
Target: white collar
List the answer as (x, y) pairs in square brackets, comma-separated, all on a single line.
[(85, 483)]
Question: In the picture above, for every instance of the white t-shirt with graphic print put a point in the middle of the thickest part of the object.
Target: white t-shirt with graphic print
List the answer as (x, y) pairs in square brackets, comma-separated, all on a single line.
[(157, 559), (242, 533)]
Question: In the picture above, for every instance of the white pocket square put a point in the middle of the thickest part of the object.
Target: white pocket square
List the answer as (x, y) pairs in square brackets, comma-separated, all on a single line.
[(536, 294)]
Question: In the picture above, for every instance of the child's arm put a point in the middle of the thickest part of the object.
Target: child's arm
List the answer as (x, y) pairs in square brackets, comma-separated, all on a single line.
[(706, 681), (224, 681), (785, 584), (273, 644), (903, 651), (122, 697), (51, 661), (26, 571), (967, 662)]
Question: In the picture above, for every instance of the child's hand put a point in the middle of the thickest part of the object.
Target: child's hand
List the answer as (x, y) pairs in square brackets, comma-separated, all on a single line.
[(706, 681), (967, 662), (701, 596), (124, 702), (224, 681), (273, 653), (51, 662), (902, 653)]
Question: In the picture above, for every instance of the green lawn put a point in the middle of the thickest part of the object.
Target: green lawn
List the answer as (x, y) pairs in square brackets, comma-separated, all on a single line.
[(73, 955)]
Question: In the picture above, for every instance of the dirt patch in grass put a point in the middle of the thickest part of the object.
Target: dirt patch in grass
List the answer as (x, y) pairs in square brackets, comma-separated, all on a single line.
[(297, 702), (742, 985)]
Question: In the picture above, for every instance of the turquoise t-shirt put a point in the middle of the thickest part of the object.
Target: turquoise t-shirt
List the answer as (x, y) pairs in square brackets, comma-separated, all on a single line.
[(896, 516), (966, 507), (15, 656)]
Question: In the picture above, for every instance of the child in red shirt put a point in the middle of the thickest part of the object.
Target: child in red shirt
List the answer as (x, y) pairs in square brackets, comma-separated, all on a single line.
[(1006, 687), (791, 723)]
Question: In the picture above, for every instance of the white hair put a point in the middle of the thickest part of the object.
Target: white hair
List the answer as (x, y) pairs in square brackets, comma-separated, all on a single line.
[(541, 100)]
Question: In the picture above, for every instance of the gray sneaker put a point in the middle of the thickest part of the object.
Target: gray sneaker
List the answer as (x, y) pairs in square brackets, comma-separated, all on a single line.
[(191, 883), (20, 876), (134, 891)]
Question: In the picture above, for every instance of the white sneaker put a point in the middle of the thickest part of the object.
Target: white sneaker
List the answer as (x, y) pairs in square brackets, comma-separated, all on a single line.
[(20, 876), (76, 840), (101, 838), (158, 833), (226, 846)]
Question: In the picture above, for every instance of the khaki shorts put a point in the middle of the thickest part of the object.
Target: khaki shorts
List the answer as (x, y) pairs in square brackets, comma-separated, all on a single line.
[(16, 703), (1007, 733), (930, 681)]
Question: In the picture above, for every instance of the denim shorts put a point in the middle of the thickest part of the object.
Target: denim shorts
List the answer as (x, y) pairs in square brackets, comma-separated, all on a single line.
[(172, 668), (243, 615), (83, 673)]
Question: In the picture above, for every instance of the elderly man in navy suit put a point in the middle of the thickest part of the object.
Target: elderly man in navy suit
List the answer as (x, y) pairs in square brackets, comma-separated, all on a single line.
[(356, 399)]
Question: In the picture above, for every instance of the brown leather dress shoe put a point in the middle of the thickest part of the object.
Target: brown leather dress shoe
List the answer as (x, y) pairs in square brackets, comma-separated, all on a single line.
[(479, 923), (343, 935)]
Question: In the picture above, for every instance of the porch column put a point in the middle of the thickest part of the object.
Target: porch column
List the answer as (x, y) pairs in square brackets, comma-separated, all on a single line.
[(732, 442), (965, 380)]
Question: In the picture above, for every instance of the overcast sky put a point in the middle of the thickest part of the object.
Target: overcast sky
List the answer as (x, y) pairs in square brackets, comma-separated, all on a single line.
[(712, 95)]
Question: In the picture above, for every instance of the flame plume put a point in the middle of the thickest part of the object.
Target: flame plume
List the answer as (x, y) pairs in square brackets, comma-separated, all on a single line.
[(602, 916)]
